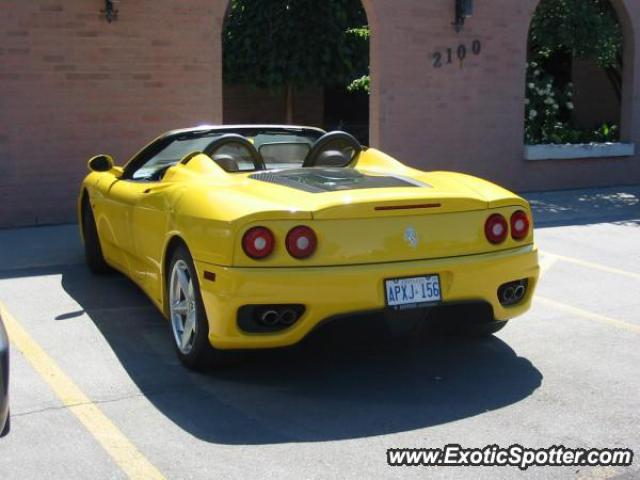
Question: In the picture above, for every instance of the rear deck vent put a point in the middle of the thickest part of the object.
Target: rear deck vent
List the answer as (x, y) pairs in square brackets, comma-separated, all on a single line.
[(321, 179)]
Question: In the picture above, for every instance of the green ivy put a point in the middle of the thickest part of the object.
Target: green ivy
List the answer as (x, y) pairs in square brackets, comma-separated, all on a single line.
[(277, 43), (587, 29), (363, 83)]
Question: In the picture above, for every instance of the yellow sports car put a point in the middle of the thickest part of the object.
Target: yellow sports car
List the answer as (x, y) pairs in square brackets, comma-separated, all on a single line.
[(250, 236)]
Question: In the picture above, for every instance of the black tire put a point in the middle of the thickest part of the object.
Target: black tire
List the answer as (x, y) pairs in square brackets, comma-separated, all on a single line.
[(480, 329), (92, 249), (7, 426), (466, 320), (202, 355)]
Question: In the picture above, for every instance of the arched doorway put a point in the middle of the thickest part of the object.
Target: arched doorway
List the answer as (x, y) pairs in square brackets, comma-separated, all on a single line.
[(293, 61), (576, 87)]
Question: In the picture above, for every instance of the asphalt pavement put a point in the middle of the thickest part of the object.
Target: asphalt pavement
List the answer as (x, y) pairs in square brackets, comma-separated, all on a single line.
[(97, 392)]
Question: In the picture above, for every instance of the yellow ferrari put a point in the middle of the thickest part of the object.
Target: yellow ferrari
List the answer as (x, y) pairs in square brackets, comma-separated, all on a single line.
[(250, 236)]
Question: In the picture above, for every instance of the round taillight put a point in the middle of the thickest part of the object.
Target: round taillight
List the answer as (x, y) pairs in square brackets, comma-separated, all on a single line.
[(258, 243), (520, 225), (301, 242), (496, 229)]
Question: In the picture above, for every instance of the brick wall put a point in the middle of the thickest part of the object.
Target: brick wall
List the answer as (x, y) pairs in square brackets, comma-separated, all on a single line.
[(72, 85), (470, 117)]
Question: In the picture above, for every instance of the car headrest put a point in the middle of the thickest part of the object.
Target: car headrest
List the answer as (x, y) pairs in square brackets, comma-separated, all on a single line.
[(332, 158), (227, 163)]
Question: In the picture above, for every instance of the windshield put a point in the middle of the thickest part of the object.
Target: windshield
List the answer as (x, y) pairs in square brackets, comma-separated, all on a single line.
[(279, 148)]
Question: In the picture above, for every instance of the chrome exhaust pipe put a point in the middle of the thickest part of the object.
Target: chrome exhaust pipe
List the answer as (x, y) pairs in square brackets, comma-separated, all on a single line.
[(512, 293), (288, 317), (269, 318), (508, 295)]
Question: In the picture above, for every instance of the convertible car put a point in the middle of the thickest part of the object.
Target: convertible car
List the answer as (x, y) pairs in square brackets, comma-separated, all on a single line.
[(249, 237)]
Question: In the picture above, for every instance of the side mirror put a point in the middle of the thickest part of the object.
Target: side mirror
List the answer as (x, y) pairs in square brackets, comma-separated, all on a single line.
[(101, 163)]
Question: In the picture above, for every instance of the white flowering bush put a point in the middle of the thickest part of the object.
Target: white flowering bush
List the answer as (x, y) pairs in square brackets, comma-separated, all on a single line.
[(562, 31), (548, 107)]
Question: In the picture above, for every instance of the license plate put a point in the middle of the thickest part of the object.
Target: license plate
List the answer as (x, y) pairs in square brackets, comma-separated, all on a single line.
[(403, 293)]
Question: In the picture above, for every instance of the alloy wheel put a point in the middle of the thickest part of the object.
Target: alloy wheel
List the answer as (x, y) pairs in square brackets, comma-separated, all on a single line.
[(182, 307)]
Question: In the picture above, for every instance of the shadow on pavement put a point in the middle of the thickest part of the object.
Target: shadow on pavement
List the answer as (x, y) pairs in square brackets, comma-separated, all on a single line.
[(617, 205), (346, 381)]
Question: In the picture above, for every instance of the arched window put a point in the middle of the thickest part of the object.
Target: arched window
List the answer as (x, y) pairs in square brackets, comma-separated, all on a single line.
[(574, 73), (289, 61)]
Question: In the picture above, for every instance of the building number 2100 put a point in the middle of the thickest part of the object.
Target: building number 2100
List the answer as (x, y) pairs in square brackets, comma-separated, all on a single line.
[(445, 58)]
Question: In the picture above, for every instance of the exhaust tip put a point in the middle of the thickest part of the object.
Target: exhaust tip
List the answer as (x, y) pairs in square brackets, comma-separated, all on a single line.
[(288, 317), (512, 293), (269, 318), (508, 295)]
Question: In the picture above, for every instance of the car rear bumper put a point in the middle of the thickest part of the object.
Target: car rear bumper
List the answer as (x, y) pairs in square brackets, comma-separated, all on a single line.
[(328, 292)]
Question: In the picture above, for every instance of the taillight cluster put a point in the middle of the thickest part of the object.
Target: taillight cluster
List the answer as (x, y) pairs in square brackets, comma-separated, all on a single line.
[(259, 242), (496, 228), (301, 242), (519, 225)]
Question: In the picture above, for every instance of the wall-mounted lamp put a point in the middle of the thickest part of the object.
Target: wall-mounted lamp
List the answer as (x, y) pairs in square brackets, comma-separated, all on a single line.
[(464, 10), (110, 11)]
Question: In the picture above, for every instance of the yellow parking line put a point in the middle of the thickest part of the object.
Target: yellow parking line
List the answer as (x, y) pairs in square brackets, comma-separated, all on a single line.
[(630, 327), (547, 261), (595, 266), (117, 445)]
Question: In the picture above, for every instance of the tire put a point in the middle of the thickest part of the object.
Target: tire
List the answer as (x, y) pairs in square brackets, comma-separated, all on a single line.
[(481, 329), (196, 352), (7, 426), (466, 320), (92, 249)]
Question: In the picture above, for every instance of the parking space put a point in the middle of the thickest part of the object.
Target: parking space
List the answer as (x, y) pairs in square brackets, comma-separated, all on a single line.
[(566, 373)]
